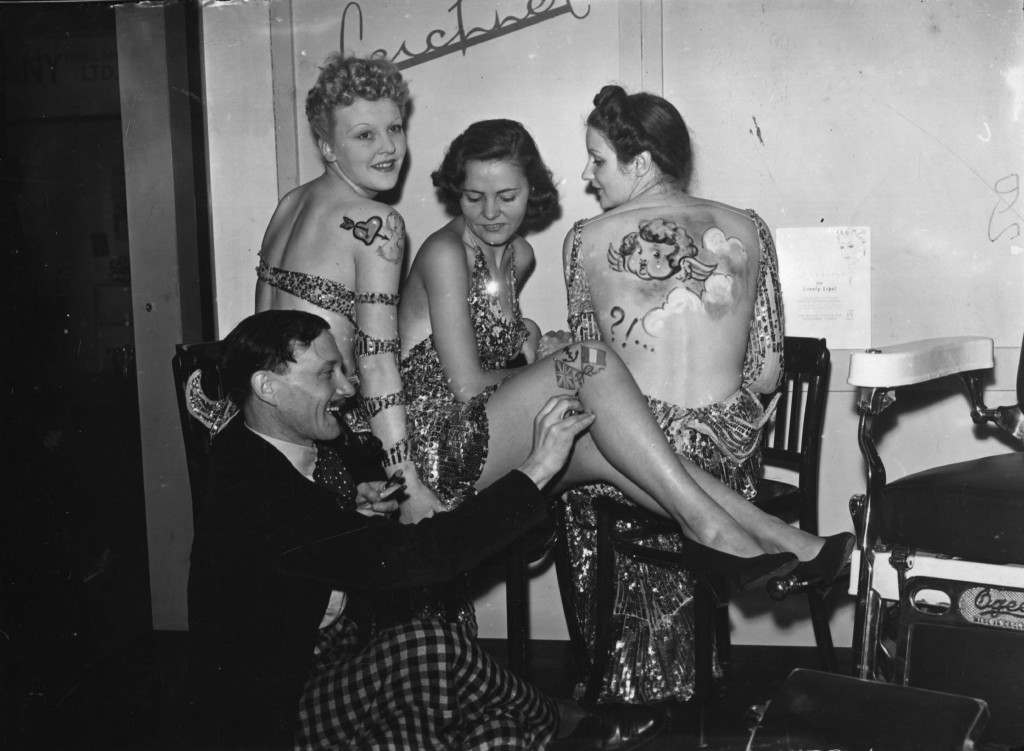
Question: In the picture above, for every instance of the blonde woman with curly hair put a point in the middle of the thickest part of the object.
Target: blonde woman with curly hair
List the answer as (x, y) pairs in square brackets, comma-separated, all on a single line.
[(334, 250)]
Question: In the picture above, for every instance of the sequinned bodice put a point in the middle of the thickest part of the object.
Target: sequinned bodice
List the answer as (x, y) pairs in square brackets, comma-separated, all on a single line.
[(320, 291), (498, 339), (451, 436)]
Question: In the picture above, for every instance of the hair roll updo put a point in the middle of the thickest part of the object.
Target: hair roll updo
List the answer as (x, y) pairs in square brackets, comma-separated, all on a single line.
[(342, 80), (632, 123), (498, 141)]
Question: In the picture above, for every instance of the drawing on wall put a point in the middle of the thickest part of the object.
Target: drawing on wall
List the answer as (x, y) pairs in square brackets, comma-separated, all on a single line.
[(440, 42), (1008, 190)]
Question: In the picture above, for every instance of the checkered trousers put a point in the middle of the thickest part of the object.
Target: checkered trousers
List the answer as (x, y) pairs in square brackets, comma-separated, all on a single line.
[(423, 684)]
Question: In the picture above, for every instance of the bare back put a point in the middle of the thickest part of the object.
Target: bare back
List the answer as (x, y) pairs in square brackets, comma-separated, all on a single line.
[(318, 231), (673, 285)]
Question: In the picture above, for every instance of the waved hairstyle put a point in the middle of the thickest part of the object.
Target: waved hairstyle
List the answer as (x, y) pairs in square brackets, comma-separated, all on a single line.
[(264, 341), (498, 141), (632, 123), (345, 79)]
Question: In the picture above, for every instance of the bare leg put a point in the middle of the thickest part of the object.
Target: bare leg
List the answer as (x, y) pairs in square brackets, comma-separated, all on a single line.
[(632, 451), (772, 533)]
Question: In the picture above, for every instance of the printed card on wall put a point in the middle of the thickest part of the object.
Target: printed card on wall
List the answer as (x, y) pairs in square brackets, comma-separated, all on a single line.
[(826, 283)]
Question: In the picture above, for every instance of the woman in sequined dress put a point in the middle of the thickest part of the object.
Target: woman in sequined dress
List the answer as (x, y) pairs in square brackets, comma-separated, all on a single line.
[(460, 321), (686, 291), (333, 250)]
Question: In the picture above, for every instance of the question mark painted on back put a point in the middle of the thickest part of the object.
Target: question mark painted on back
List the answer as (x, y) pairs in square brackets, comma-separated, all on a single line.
[(621, 316)]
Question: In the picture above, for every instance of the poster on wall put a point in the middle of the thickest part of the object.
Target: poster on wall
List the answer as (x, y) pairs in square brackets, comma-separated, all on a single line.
[(826, 283)]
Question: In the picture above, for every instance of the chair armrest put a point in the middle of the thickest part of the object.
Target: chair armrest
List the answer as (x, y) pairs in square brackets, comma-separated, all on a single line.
[(1008, 419), (920, 361)]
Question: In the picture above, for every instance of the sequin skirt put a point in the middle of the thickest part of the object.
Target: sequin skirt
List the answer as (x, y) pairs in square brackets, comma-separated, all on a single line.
[(653, 610), (451, 443)]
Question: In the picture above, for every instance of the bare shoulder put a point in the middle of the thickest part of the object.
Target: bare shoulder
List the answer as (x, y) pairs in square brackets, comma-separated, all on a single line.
[(366, 210), (524, 255), (364, 207), (282, 222), (729, 219), (440, 244), (695, 214), (289, 206), (596, 233), (441, 253)]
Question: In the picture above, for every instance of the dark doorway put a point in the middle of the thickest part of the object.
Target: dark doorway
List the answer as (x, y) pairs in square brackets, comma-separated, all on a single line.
[(75, 585)]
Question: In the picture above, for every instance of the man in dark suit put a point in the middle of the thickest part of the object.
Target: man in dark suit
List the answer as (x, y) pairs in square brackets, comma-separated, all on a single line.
[(286, 525)]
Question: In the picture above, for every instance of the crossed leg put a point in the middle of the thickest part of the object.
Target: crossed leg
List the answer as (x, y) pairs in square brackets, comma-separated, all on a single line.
[(626, 448)]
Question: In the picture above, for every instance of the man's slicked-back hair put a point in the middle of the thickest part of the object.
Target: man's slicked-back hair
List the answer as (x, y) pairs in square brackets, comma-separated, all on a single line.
[(264, 341)]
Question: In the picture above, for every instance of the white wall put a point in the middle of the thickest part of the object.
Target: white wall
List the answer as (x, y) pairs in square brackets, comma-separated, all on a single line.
[(720, 62), (241, 148)]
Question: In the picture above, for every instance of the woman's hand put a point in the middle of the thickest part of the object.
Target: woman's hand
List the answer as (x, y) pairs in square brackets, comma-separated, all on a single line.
[(552, 342), (555, 429), (420, 503)]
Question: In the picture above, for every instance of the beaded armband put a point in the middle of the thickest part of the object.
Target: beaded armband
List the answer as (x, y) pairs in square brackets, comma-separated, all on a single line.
[(374, 405), (377, 298), (367, 345), (399, 453)]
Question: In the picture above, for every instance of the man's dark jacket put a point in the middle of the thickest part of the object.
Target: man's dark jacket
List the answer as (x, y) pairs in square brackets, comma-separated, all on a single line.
[(269, 547)]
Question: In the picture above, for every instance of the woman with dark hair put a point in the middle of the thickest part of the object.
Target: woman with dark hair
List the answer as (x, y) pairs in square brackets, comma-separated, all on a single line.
[(495, 184), (460, 324), (686, 291), (333, 250)]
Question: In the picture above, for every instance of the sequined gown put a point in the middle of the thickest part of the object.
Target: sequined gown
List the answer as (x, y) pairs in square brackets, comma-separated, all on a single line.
[(451, 437), (653, 612)]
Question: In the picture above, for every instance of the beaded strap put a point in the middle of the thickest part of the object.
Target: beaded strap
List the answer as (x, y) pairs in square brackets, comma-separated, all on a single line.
[(374, 405), (367, 345), (377, 298), (399, 453)]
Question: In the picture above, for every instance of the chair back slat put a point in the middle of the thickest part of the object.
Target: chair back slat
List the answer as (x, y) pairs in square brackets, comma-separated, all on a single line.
[(205, 357), (800, 410), (796, 408), (792, 440), (775, 432)]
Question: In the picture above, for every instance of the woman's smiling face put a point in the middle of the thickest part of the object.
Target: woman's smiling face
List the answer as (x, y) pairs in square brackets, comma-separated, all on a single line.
[(368, 144)]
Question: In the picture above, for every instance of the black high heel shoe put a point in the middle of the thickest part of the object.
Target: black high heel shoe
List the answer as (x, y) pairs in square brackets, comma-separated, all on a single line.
[(821, 570), (828, 564), (740, 573)]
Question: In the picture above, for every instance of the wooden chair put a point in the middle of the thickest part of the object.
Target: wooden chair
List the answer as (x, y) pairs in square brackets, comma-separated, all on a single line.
[(792, 442), (205, 357), (188, 358)]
